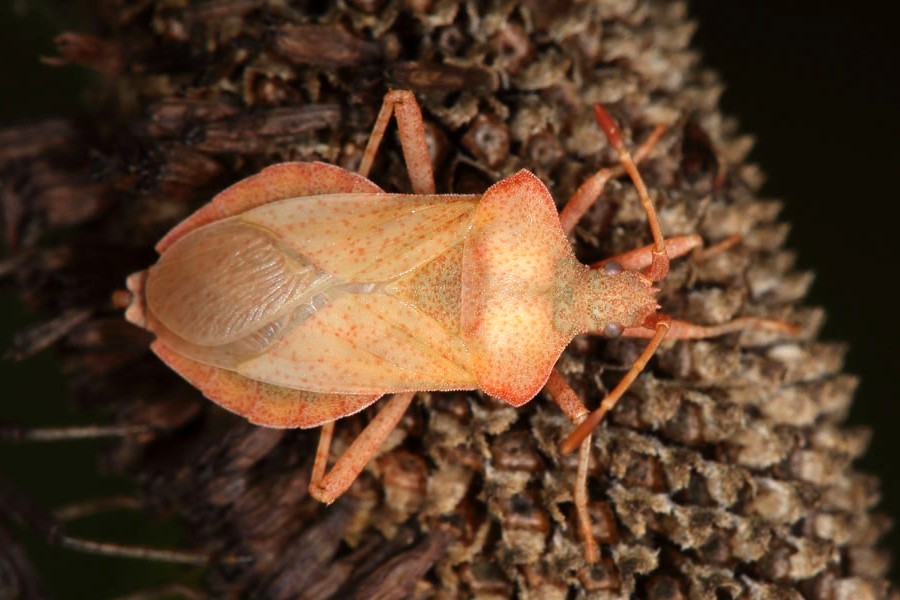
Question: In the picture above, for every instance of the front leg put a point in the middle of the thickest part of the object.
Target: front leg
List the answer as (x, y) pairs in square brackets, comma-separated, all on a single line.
[(679, 245), (641, 258), (657, 328), (590, 191)]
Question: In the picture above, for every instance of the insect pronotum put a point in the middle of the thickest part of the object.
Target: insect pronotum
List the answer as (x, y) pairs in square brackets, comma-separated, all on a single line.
[(304, 293)]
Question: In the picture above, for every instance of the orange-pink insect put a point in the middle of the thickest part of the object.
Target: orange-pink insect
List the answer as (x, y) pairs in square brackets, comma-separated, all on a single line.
[(304, 293)]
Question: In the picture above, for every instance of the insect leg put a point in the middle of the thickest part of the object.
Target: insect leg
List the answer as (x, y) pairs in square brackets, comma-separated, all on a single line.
[(403, 104), (661, 326), (323, 451), (589, 191), (572, 406), (641, 258), (658, 328), (664, 326), (679, 245), (328, 487)]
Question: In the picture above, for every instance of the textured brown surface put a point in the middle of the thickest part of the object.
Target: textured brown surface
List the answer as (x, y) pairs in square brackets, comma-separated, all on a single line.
[(724, 473)]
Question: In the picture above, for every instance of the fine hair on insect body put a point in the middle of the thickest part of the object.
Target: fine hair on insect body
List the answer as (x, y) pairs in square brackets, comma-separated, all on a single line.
[(304, 293)]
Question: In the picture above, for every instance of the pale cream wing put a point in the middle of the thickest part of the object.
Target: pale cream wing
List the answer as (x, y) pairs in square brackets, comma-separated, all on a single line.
[(295, 294), (262, 403), (364, 237), (275, 182), (365, 343)]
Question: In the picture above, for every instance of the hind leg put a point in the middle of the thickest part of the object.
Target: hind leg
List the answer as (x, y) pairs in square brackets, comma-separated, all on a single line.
[(328, 487)]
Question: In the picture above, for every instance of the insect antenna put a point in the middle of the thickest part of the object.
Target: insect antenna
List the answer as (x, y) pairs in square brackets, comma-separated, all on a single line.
[(587, 426), (660, 265)]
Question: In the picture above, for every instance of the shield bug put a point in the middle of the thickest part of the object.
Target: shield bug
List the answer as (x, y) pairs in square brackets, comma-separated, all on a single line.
[(304, 293)]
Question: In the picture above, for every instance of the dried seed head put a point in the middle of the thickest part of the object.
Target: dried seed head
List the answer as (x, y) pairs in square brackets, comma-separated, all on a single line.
[(488, 140), (724, 473)]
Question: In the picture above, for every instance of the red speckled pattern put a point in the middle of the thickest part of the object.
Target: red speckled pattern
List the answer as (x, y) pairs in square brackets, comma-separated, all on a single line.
[(510, 287), (293, 294), (364, 343), (277, 182), (260, 403), (367, 237)]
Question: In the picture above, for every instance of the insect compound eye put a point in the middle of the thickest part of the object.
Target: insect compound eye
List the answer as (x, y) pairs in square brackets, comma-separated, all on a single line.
[(613, 330), (612, 268)]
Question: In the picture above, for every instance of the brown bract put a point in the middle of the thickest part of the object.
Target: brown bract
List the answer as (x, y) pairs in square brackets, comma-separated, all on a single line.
[(724, 473)]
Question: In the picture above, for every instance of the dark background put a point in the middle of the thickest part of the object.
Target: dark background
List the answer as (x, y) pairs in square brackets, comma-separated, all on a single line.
[(817, 84), (33, 391)]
